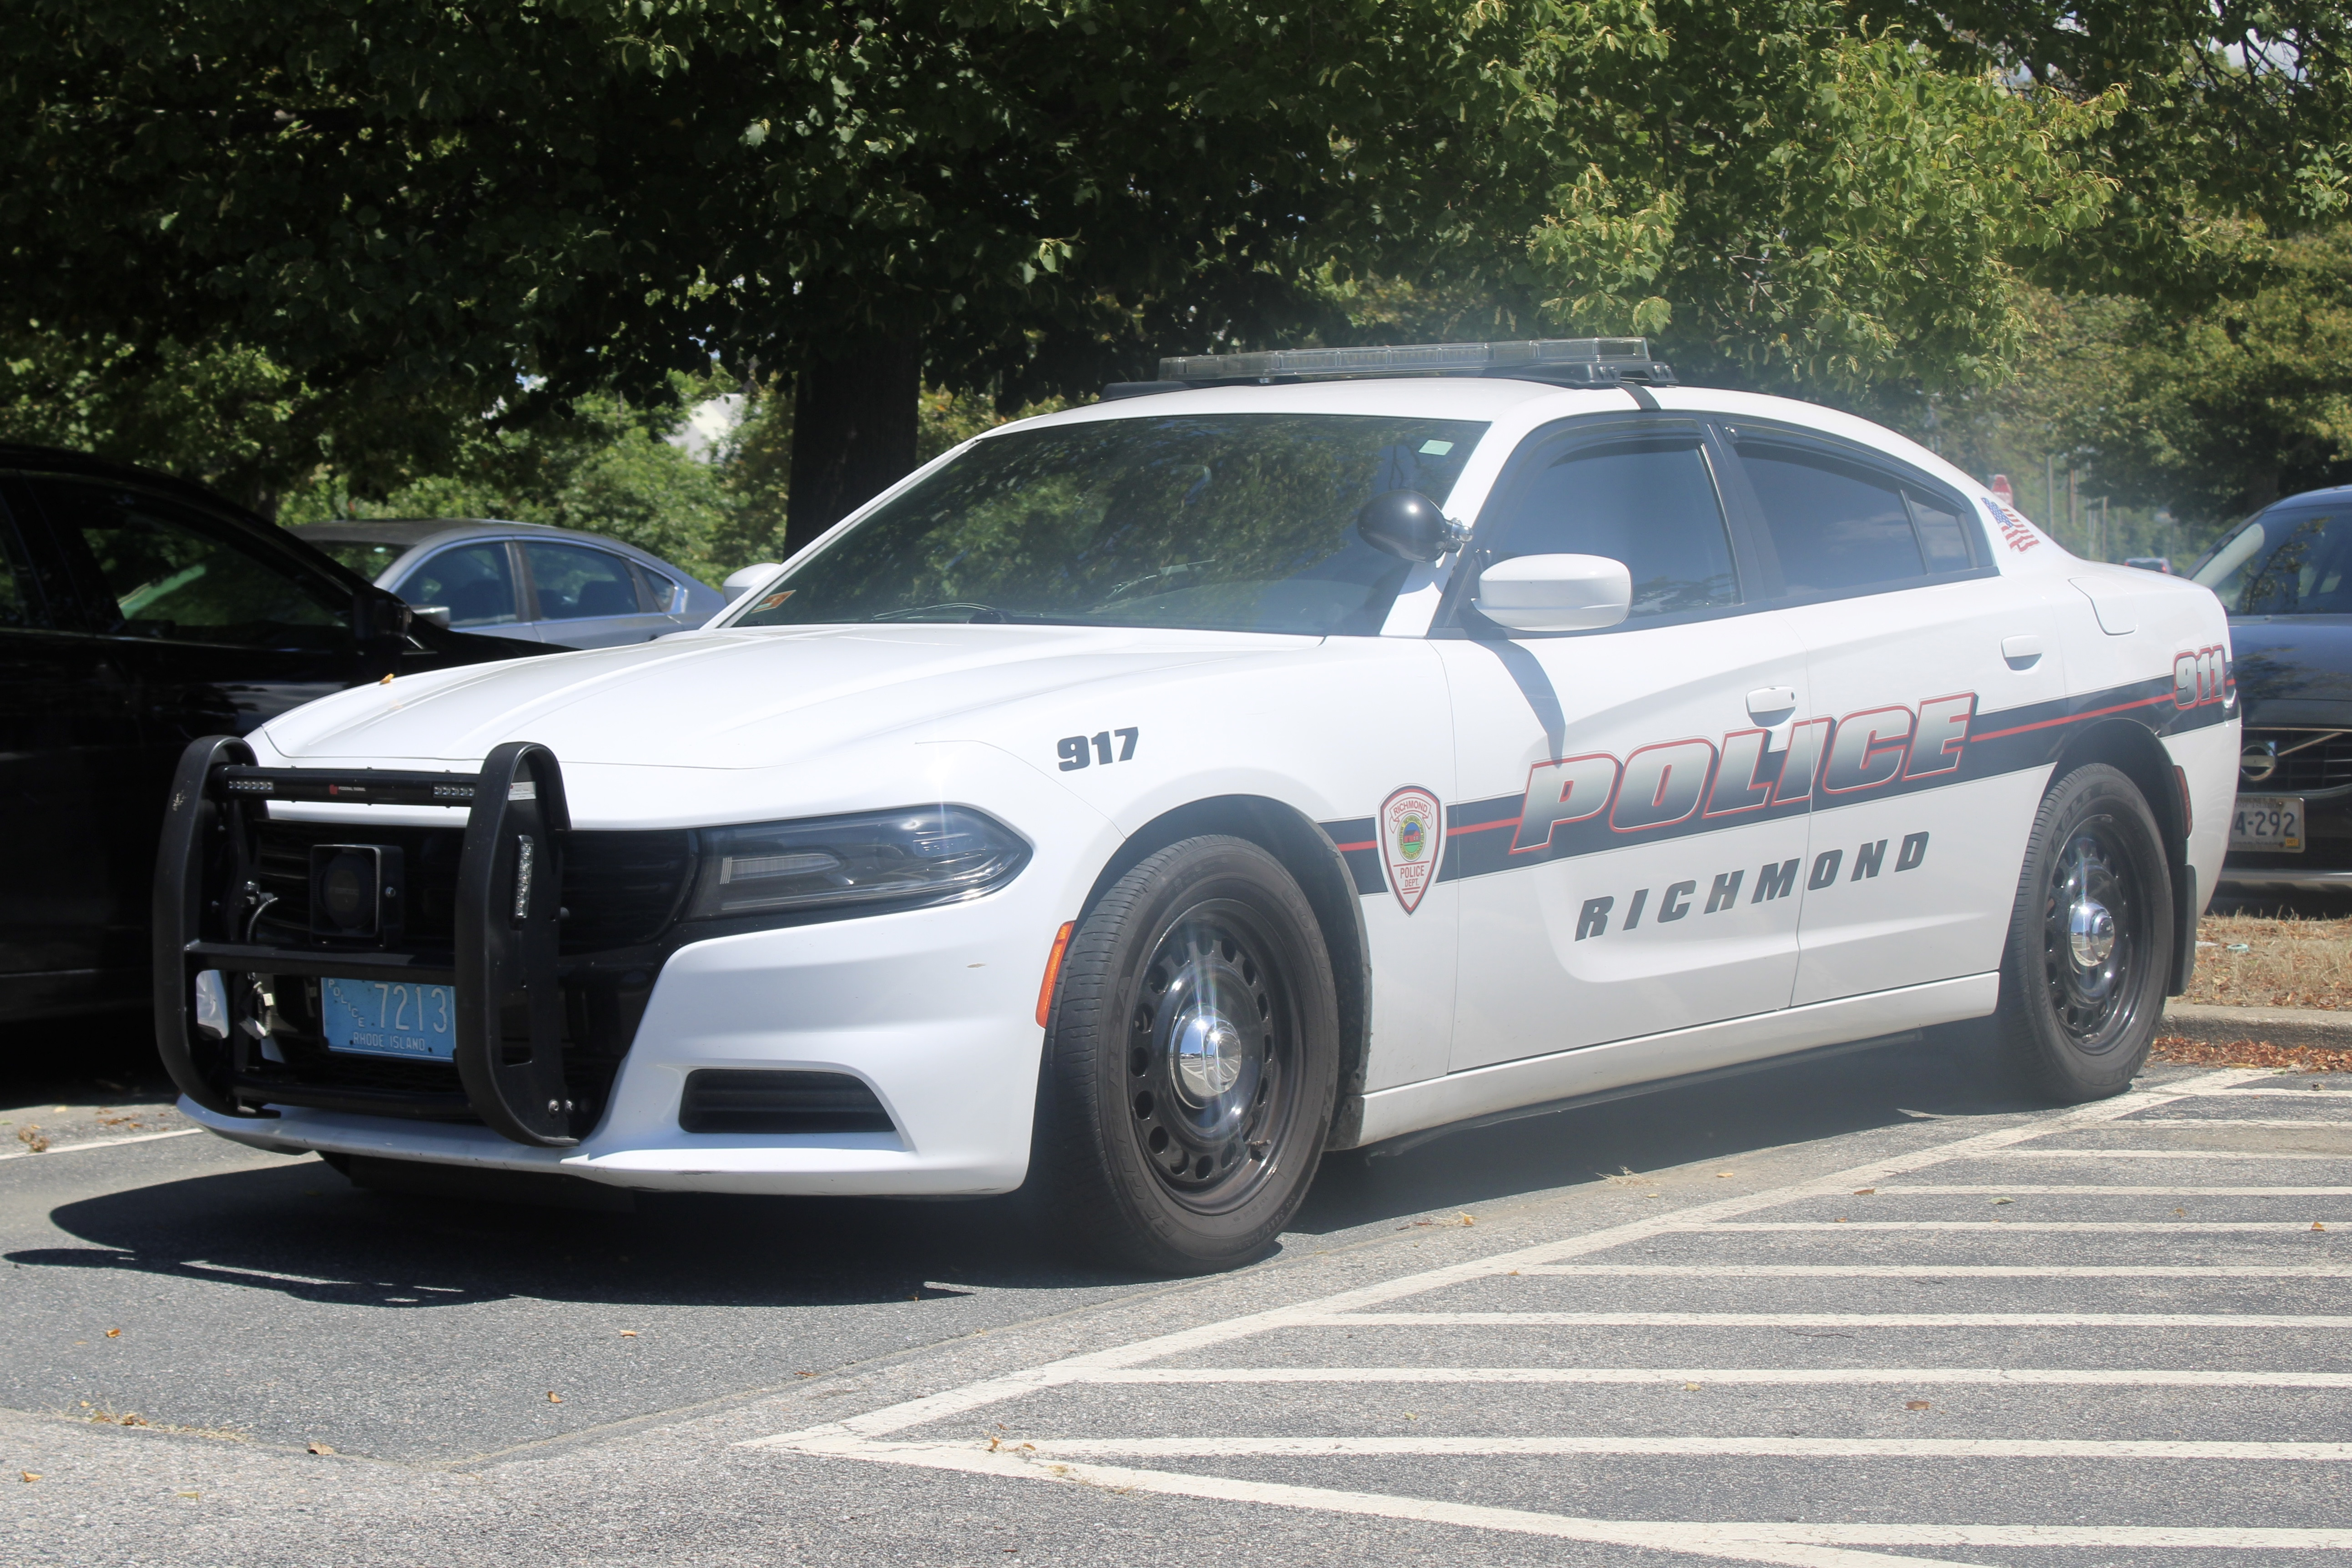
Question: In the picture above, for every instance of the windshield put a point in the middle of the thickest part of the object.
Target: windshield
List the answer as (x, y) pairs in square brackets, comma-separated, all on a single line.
[(1234, 522), (2285, 563)]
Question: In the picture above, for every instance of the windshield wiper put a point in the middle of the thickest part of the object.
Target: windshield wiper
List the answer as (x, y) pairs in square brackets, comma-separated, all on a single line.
[(982, 614)]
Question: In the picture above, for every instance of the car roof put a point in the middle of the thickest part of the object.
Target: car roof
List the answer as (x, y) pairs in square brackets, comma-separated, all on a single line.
[(2331, 494), (1499, 400), (414, 532), (60, 460)]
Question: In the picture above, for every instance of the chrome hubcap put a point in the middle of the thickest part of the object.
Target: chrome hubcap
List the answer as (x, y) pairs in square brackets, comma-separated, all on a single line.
[(1210, 1058), (2090, 933)]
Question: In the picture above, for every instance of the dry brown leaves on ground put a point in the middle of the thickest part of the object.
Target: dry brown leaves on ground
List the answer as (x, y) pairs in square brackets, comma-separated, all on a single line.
[(2250, 1053), (2287, 963)]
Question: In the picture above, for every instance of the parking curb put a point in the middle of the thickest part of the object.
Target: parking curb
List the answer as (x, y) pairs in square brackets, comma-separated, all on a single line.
[(2317, 1028)]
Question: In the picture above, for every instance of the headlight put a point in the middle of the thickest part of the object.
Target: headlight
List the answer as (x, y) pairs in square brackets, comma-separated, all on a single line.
[(916, 852)]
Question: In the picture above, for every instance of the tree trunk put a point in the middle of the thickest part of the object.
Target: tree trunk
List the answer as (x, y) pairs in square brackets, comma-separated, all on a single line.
[(854, 417)]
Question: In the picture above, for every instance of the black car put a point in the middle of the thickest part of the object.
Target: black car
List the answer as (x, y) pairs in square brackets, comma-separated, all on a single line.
[(137, 612), (2285, 577)]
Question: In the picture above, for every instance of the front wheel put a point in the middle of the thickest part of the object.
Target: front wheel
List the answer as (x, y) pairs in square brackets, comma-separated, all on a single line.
[(1192, 1063), (2090, 940)]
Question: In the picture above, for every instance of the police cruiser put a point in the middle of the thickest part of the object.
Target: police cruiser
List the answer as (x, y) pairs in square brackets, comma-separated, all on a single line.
[(1302, 752)]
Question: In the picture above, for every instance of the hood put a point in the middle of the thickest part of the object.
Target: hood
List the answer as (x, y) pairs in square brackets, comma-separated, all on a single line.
[(2293, 669), (731, 698)]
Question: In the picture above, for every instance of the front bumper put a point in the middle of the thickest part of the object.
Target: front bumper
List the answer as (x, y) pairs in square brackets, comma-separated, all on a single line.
[(931, 1008)]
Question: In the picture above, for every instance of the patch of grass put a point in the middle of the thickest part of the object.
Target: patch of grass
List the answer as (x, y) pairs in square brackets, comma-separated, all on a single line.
[(2286, 962)]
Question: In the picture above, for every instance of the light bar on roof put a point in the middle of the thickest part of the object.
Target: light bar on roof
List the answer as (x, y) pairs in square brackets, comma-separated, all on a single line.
[(1588, 362)]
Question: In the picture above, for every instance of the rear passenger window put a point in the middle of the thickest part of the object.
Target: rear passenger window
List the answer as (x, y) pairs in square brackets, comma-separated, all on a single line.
[(576, 583), (1942, 535), (1838, 526), (1649, 501)]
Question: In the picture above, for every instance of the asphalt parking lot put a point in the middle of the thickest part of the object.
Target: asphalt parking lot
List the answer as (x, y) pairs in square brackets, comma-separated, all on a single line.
[(1670, 1329)]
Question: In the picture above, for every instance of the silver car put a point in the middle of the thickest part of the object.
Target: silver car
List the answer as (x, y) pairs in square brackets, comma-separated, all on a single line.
[(521, 579)]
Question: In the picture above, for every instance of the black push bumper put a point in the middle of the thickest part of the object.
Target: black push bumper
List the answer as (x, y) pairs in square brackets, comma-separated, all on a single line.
[(502, 957)]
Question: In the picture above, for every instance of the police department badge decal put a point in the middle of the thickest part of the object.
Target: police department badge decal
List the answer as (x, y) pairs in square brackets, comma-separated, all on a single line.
[(1413, 838)]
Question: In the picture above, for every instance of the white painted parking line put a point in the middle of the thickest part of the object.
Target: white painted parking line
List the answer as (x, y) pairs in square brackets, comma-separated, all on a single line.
[(99, 1143), (1789, 1545), (2127, 1226), (2114, 1192), (1011, 1385), (1818, 1321), (1834, 1377), (2286, 1093), (1682, 1447), (2295, 1121), (865, 1437), (1943, 1272), (2155, 1154)]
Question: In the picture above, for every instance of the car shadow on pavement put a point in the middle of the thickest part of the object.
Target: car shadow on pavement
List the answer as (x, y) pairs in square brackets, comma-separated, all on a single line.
[(301, 1230), (1950, 1074)]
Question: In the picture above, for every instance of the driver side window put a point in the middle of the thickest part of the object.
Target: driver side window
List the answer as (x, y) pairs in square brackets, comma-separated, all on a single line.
[(170, 573), (1648, 501)]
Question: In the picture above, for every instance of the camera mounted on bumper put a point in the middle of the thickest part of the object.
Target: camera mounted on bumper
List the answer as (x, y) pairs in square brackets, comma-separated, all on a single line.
[(219, 1018)]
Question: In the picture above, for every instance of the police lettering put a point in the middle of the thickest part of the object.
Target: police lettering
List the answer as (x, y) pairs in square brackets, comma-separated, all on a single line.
[(1676, 781)]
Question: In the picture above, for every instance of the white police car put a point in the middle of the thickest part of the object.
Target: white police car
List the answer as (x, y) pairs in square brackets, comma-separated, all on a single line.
[(1300, 753)]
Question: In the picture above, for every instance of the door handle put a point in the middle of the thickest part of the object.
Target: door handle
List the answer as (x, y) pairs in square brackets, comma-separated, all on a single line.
[(2022, 651), (1773, 708)]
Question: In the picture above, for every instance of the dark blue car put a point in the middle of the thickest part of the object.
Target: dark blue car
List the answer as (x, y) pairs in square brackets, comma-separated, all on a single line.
[(2285, 577)]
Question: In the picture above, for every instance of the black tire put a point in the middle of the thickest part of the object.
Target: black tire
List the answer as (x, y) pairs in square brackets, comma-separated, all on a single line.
[(341, 1162), (1191, 1064), (2090, 942)]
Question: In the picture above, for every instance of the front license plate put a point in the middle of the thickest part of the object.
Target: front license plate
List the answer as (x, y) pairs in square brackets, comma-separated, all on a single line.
[(2273, 823), (389, 1019)]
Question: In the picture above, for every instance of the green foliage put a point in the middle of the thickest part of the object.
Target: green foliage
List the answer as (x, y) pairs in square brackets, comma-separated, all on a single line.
[(1782, 198), (2216, 412), (229, 417), (2229, 119)]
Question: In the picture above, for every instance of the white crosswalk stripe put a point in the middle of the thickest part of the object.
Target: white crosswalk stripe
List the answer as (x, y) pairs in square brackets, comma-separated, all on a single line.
[(1282, 1466)]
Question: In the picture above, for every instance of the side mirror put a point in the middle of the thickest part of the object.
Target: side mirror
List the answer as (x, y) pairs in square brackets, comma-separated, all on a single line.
[(379, 617), (1407, 525), (1556, 593), (438, 615), (740, 582)]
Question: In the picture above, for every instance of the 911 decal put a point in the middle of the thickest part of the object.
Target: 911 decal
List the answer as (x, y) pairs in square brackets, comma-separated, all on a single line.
[(2202, 677)]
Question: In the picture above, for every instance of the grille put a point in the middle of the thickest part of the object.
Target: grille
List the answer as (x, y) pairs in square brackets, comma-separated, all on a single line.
[(736, 1101), (602, 1008), (619, 888), (2309, 764)]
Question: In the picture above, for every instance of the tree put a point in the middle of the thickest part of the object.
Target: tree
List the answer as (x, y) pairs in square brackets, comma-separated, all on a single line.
[(2231, 119), (1025, 197)]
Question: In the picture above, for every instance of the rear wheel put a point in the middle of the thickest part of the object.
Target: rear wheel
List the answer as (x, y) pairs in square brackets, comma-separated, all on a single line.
[(1192, 1063), (2090, 940)]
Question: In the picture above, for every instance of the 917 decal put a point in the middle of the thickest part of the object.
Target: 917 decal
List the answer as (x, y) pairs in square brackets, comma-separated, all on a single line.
[(1084, 751)]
